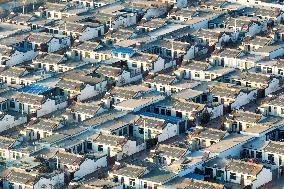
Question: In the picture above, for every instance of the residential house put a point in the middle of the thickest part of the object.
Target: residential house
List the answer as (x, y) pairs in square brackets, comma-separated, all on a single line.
[(212, 38), (43, 128), (121, 34), (136, 105), (203, 138), (12, 76), (48, 61), (247, 26), (148, 62), (273, 152), (115, 147), (265, 84), (82, 111), (141, 176), (37, 104), (57, 11), (11, 56), (273, 107), (48, 43), (6, 145), (81, 31), (183, 183), (170, 49), (89, 4), (151, 25), (161, 83), (88, 51), (80, 87), (239, 172), (241, 120), (233, 97), (20, 178), (155, 128), (119, 94), (202, 71), (269, 52), (165, 154), (116, 19), (10, 119), (252, 44), (272, 67), (118, 75)]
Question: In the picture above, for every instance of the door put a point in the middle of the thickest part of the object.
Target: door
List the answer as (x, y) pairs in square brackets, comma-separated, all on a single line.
[(130, 130)]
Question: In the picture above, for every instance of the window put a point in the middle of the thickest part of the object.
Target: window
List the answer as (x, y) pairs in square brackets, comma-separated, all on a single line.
[(233, 176), (89, 146), (155, 186), (173, 90), (197, 74), (282, 110), (207, 76), (100, 148), (115, 178), (258, 155), (2, 153), (13, 81), (134, 65), (271, 158), (123, 55), (145, 185), (12, 104), (87, 55), (219, 173), (248, 84), (162, 89), (141, 131), (178, 114), (132, 182), (125, 131)]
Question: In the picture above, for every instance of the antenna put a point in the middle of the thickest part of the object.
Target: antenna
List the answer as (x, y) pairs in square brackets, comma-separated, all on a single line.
[(144, 127), (235, 25), (172, 48), (110, 23)]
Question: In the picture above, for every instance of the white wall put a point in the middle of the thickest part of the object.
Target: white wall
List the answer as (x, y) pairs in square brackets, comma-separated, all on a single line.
[(272, 87), (263, 177), (54, 44), (9, 121), (20, 57), (90, 33), (90, 166), (50, 183), (50, 106), (243, 99)]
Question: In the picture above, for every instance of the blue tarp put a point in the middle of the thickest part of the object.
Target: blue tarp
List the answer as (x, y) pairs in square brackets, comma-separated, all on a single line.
[(35, 89), (124, 50), (194, 176)]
